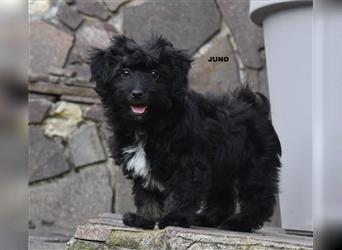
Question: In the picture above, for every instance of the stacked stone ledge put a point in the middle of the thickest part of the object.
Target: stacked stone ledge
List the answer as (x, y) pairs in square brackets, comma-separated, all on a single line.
[(108, 233)]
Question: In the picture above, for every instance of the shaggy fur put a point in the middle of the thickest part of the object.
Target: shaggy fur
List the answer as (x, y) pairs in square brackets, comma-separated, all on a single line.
[(191, 157)]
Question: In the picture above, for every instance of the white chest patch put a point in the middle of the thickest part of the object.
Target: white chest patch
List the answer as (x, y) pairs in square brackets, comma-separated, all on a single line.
[(136, 161)]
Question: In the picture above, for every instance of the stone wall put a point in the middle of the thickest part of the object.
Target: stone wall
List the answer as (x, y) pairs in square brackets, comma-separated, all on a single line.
[(71, 175)]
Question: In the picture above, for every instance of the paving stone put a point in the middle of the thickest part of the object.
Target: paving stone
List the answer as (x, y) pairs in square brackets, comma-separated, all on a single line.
[(217, 77), (46, 158), (49, 46), (38, 109), (85, 146), (72, 200), (95, 113), (113, 5), (188, 24), (69, 17), (123, 194), (92, 34), (248, 36), (93, 8)]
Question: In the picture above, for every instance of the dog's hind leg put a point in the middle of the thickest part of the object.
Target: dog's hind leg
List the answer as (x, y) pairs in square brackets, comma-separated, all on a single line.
[(218, 206), (257, 197)]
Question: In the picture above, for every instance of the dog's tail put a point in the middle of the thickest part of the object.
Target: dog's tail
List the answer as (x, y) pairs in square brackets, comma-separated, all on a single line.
[(256, 99)]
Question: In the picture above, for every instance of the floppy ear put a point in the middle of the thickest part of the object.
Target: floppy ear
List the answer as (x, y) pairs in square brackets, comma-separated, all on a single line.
[(103, 62), (98, 62), (181, 62)]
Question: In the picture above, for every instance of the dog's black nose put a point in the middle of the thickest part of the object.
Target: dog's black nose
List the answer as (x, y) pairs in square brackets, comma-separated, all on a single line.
[(136, 94)]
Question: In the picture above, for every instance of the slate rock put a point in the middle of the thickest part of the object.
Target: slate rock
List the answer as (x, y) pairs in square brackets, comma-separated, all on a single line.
[(113, 5), (123, 194), (71, 200), (92, 34), (85, 146), (49, 46), (253, 79), (218, 77), (46, 158), (69, 17), (93, 8), (38, 109), (74, 58), (82, 71), (187, 24), (95, 113), (248, 36)]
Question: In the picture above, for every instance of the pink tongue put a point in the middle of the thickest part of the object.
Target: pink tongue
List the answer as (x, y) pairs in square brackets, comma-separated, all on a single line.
[(138, 109)]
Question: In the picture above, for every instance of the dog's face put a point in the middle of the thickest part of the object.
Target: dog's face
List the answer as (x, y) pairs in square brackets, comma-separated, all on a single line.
[(140, 80)]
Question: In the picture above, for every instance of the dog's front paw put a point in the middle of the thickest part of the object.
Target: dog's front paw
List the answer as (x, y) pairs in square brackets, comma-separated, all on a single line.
[(236, 223), (134, 220), (173, 219)]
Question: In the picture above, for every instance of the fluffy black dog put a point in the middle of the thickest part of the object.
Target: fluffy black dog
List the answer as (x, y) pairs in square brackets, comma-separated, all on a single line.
[(191, 157)]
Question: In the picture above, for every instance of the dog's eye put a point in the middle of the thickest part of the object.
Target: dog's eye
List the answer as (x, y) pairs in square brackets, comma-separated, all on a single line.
[(125, 73), (154, 74)]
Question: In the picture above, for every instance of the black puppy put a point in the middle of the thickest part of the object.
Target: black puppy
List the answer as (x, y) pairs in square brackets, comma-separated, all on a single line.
[(191, 157)]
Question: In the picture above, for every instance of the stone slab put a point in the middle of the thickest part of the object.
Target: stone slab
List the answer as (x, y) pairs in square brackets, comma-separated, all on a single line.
[(247, 35), (192, 238), (95, 112), (49, 46), (38, 109), (215, 77), (53, 89), (113, 5), (187, 24), (92, 34), (69, 17), (85, 146), (79, 99), (73, 199), (93, 8), (93, 232), (46, 157)]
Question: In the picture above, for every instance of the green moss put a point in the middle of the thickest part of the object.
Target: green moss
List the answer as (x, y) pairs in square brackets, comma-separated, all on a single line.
[(143, 240), (85, 245)]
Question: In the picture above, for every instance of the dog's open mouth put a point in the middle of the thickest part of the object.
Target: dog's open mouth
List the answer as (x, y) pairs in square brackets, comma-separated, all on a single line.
[(138, 109)]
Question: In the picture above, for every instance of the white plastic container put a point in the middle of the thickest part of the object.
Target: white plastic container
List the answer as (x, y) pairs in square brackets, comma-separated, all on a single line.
[(287, 29)]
